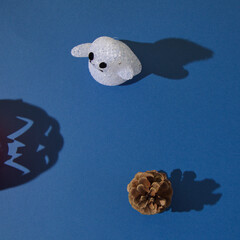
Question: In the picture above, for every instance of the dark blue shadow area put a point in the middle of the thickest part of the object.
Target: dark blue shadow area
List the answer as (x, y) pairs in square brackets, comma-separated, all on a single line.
[(30, 141), (167, 57), (190, 194)]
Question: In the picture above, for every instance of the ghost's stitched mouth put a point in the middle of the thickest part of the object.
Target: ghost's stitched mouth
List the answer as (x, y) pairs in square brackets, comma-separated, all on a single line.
[(95, 67)]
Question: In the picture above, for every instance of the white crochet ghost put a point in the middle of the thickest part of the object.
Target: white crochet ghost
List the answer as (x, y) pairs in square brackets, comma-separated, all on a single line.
[(111, 62)]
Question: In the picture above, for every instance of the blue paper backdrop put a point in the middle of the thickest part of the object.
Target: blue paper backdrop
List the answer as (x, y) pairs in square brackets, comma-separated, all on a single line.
[(188, 126)]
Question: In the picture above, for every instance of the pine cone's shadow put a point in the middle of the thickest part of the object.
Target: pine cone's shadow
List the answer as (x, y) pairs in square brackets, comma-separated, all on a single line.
[(167, 57), (30, 141), (189, 194)]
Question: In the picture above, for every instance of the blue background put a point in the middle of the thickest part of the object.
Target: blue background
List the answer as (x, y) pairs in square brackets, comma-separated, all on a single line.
[(110, 133)]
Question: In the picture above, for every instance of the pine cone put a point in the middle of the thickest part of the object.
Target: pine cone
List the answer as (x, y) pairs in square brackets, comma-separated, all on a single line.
[(150, 192)]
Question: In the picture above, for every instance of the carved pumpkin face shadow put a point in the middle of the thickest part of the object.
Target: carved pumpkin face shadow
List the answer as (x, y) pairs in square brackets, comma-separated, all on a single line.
[(30, 141)]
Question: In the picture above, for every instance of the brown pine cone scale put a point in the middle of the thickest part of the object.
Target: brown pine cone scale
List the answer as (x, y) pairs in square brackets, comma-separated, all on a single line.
[(150, 192)]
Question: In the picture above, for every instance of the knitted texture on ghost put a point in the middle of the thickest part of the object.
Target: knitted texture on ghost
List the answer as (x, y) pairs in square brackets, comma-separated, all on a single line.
[(111, 62), (150, 192)]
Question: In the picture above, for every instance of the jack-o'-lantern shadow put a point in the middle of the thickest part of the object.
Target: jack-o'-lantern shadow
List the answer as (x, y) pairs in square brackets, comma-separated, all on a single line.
[(167, 57), (190, 194), (30, 141)]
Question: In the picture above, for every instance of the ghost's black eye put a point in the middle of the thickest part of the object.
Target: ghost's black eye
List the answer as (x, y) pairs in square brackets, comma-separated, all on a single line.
[(91, 56), (102, 65)]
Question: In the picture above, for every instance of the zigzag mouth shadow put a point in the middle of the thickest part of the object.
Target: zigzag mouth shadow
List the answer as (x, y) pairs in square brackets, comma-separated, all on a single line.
[(15, 144), (30, 141)]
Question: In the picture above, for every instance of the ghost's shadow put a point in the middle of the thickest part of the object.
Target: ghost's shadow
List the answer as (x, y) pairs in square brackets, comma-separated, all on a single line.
[(30, 141), (189, 194), (167, 57)]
